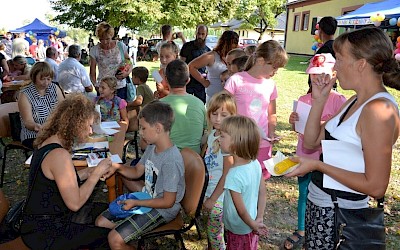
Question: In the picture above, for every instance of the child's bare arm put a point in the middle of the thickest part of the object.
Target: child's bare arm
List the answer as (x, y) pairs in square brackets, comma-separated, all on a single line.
[(209, 203), (241, 210), (124, 115), (261, 200), (167, 201), (272, 119), (127, 171)]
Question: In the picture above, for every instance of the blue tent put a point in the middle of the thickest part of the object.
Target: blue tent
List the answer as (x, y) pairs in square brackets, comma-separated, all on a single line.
[(361, 16), (41, 30)]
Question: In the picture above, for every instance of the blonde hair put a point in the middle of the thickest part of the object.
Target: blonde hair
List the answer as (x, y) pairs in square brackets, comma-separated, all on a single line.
[(68, 120), (104, 29), (238, 52), (111, 82), (172, 46), (245, 136), (272, 52), (217, 101)]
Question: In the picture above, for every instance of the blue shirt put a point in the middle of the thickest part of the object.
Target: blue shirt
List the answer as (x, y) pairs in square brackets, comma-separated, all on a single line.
[(244, 179)]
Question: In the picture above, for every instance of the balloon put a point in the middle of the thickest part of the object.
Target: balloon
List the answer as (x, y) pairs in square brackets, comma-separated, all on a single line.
[(314, 47), (319, 41), (392, 21), (317, 25), (377, 23), (397, 56), (316, 37), (398, 23), (396, 51), (316, 32), (57, 32), (315, 43), (398, 39), (398, 45), (380, 17), (320, 45), (373, 18)]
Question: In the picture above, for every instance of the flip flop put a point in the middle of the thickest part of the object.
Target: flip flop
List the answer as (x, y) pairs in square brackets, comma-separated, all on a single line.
[(295, 243)]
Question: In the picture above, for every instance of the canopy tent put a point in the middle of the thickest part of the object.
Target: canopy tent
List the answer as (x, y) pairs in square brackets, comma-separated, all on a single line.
[(361, 16), (41, 30)]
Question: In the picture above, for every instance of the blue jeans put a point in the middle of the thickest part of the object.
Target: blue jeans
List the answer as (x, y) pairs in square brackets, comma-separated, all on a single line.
[(302, 201)]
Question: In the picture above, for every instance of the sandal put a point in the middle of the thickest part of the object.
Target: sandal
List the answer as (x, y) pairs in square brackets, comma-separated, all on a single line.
[(295, 243)]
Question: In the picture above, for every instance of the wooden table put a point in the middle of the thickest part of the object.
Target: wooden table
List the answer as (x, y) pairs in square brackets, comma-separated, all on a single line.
[(9, 90)]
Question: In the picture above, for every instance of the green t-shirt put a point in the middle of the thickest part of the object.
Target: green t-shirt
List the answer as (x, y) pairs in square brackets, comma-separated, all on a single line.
[(190, 120), (145, 92)]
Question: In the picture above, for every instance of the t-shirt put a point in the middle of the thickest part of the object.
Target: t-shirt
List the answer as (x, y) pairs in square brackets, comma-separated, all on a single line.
[(244, 179), (190, 51), (110, 109), (54, 67), (145, 91), (215, 165), (332, 106), (253, 97), (190, 120), (164, 172)]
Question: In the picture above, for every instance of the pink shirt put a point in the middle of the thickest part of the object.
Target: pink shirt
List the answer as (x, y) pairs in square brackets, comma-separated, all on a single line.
[(253, 97), (332, 106)]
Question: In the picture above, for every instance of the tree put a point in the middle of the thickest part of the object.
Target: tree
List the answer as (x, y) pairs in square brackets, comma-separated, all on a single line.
[(259, 13), (144, 15)]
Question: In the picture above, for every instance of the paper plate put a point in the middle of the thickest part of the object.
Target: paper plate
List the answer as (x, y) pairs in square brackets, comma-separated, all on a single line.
[(270, 164), (117, 210)]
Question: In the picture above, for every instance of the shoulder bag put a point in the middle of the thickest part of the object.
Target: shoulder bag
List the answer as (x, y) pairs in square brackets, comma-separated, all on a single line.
[(359, 228), (130, 88)]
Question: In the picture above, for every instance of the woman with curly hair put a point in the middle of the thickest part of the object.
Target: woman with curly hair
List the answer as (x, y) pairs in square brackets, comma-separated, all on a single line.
[(56, 189), (215, 63)]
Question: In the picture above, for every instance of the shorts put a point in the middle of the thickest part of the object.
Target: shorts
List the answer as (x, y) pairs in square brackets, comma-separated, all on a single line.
[(132, 227)]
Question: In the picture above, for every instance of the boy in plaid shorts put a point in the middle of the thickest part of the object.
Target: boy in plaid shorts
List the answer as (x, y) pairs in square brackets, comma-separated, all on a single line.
[(162, 165)]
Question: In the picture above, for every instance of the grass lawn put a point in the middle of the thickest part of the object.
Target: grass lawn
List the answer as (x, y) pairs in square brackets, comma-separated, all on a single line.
[(281, 213), (281, 209)]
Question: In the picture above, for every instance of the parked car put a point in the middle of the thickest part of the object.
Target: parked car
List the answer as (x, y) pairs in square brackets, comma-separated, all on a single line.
[(243, 43), (211, 41)]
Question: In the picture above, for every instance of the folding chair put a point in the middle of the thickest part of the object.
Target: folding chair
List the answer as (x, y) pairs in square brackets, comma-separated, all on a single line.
[(196, 180), (8, 129)]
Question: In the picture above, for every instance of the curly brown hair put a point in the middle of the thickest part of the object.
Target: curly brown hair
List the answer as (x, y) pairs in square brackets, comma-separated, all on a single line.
[(68, 121)]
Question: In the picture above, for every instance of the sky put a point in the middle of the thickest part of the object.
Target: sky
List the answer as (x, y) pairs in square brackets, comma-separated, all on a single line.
[(15, 12)]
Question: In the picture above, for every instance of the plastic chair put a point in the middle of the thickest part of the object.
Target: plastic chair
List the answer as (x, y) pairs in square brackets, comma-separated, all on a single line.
[(8, 129), (196, 180)]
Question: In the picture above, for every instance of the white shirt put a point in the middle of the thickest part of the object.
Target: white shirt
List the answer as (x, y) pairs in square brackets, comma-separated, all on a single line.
[(72, 76), (54, 66)]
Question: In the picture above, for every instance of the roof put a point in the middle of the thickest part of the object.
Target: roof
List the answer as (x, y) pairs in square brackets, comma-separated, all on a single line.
[(36, 26), (361, 16), (236, 24)]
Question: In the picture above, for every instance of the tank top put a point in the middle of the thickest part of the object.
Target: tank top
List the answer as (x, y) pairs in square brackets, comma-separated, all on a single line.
[(42, 106), (213, 75)]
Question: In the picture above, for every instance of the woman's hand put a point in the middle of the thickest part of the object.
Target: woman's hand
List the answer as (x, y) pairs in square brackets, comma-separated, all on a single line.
[(102, 168), (160, 87), (321, 86), (111, 170), (37, 127), (294, 117), (306, 165), (209, 204)]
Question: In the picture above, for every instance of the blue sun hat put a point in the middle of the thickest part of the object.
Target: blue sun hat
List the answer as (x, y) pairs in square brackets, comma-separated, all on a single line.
[(118, 211)]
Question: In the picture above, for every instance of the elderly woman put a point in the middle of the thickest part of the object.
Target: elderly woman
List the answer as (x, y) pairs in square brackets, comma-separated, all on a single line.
[(109, 55), (19, 69), (56, 186), (215, 63), (36, 101), (368, 123)]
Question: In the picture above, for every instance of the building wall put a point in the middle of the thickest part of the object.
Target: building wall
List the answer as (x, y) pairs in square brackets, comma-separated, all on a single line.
[(278, 35), (300, 41)]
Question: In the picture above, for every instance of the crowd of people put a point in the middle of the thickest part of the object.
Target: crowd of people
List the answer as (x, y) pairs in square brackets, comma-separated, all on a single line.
[(221, 103)]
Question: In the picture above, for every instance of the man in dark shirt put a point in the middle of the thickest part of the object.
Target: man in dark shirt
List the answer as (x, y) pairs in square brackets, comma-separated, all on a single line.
[(190, 51)]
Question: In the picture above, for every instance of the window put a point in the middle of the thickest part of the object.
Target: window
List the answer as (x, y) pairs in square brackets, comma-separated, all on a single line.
[(296, 24), (305, 20)]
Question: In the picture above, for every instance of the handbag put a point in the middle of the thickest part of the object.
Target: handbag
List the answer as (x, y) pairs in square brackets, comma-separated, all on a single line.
[(14, 217), (359, 228), (130, 88)]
